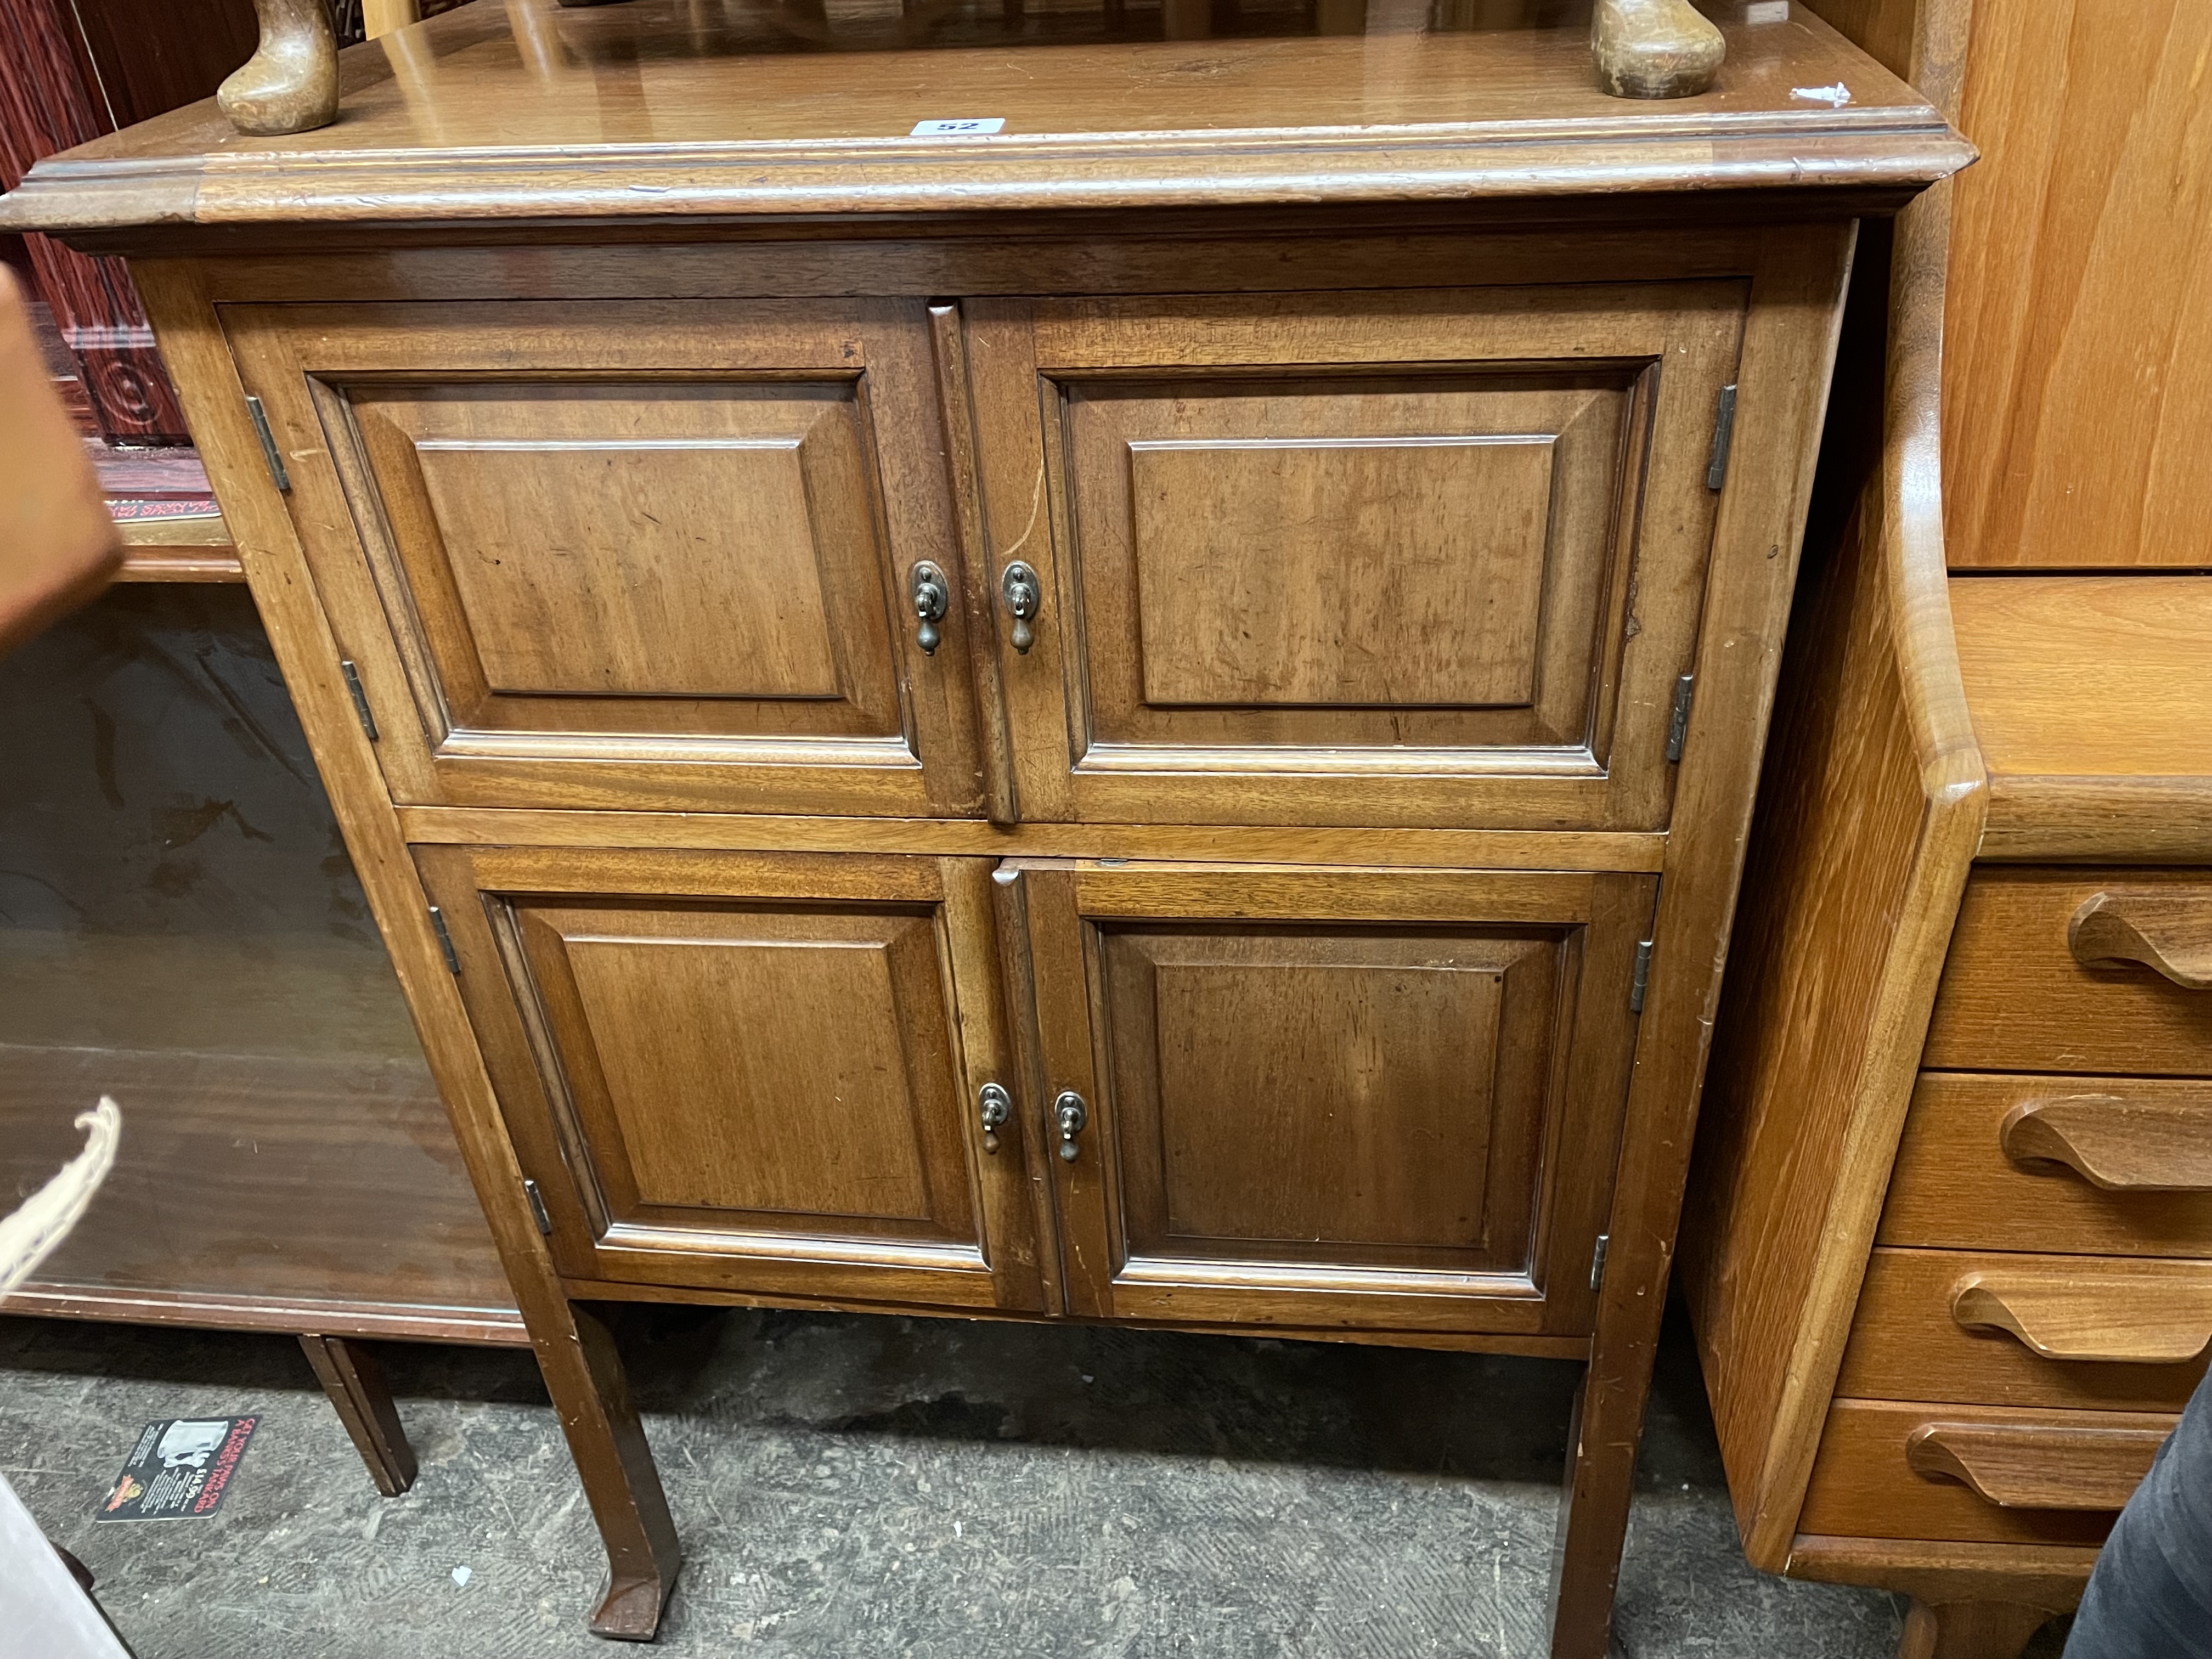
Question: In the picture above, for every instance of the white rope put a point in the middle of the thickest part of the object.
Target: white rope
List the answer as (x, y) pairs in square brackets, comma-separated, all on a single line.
[(48, 1214)]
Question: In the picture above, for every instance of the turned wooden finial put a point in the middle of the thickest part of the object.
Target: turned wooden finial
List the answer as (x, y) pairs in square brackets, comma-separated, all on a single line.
[(1654, 48), (290, 84)]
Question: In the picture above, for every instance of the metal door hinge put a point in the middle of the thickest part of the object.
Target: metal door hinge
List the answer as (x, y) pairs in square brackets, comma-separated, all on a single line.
[(277, 471), (1723, 440), (1597, 1260), (1678, 724), (445, 938), (1636, 985), (360, 698), (537, 1210)]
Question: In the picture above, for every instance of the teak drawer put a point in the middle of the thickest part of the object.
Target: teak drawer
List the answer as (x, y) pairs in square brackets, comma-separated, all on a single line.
[(2004, 1329), (1291, 1096), (2078, 970), (2095, 1165), (1901, 1469)]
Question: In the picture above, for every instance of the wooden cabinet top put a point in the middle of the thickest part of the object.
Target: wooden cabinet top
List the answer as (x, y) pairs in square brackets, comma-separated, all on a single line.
[(524, 113)]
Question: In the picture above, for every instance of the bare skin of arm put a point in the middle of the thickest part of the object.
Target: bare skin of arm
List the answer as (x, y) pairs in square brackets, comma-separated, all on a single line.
[(57, 546)]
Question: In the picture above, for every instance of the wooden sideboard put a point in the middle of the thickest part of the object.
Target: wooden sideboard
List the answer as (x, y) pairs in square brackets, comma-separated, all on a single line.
[(1951, 1204), (1151, 717)]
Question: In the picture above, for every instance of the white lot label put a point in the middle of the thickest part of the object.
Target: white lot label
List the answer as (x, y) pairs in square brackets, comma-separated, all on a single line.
[(1767, 11), (968, 127)]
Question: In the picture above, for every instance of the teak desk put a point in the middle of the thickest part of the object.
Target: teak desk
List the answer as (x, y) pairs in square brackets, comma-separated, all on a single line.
[(1151, 717), (1948, 1253)]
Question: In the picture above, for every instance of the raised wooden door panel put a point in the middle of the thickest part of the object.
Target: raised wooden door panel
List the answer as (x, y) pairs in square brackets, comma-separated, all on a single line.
[(757, 1073), (1427, 557), (1322, 1099), (609, 555)]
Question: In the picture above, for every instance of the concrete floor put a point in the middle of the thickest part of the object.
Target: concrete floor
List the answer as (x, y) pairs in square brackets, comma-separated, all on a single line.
[(859, 1488)]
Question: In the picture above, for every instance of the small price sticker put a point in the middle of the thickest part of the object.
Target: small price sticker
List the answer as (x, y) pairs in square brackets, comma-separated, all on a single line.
[(969, 126)]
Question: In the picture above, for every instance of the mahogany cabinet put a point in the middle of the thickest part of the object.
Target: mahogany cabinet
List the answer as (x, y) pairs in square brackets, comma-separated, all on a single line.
[(1093, 724)]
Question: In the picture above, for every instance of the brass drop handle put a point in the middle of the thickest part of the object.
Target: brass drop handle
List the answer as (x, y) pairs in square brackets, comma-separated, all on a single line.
[(2166, 929), (994, 1106), (1023, 596), (1070, 1115), (927, 586)]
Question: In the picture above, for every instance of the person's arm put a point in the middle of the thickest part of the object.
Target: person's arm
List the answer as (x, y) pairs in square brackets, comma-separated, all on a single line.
[(57, 546)]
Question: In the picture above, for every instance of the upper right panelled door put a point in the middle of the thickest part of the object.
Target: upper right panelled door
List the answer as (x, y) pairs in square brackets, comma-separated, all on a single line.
[(1428, 558)]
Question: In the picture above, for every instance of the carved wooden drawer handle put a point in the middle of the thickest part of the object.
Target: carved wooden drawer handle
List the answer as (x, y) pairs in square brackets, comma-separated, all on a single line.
[(2139, 1319), (2119, 1144), (2168, 929), (2020, 1466)]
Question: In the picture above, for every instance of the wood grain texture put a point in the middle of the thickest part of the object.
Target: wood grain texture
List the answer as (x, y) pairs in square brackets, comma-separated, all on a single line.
[(1969, 1630), (2124, 1316), (2169, 933), (1967, 1598), (1654, 48), (1868, 1485), (530, 519), (750, 1070), (355, 1384), (1874, 801), (1202, 658), (290, 84), (575, 1354), (2045, 1575), (726, 118), (177, 550), (1460, 849), (2018, 1466), (1971, 1173), (2080, 429), (2015, 997), (1276, 1135), (356, 1139), (2088, 694), (2097, 1333), (1360, 953), (1756, 540), (2116, 1142)]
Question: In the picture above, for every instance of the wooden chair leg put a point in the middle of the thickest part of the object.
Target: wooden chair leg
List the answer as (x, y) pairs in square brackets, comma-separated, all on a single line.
[(351, 1378), (1969, 1630), (591, 1395)]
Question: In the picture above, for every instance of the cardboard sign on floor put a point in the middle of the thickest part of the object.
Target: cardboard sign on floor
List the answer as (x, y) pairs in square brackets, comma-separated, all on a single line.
[(181, 1470)]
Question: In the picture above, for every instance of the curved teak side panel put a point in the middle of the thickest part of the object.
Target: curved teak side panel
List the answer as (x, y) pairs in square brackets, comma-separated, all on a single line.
[(1872, 808)]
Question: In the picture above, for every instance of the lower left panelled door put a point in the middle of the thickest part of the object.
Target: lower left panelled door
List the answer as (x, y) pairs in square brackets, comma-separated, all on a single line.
[(752, 1072)]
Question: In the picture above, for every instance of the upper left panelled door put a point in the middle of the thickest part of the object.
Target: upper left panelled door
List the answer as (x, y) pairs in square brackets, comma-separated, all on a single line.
[(605, 555)]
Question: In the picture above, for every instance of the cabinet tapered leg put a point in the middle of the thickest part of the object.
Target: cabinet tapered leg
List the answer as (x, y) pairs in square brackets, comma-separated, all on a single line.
[(1601, 1478), (354, 1382), (1969, 1630), (591, 1395)]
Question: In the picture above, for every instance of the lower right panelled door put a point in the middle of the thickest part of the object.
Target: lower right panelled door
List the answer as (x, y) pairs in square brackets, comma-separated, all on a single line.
[(1329, 1098)]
